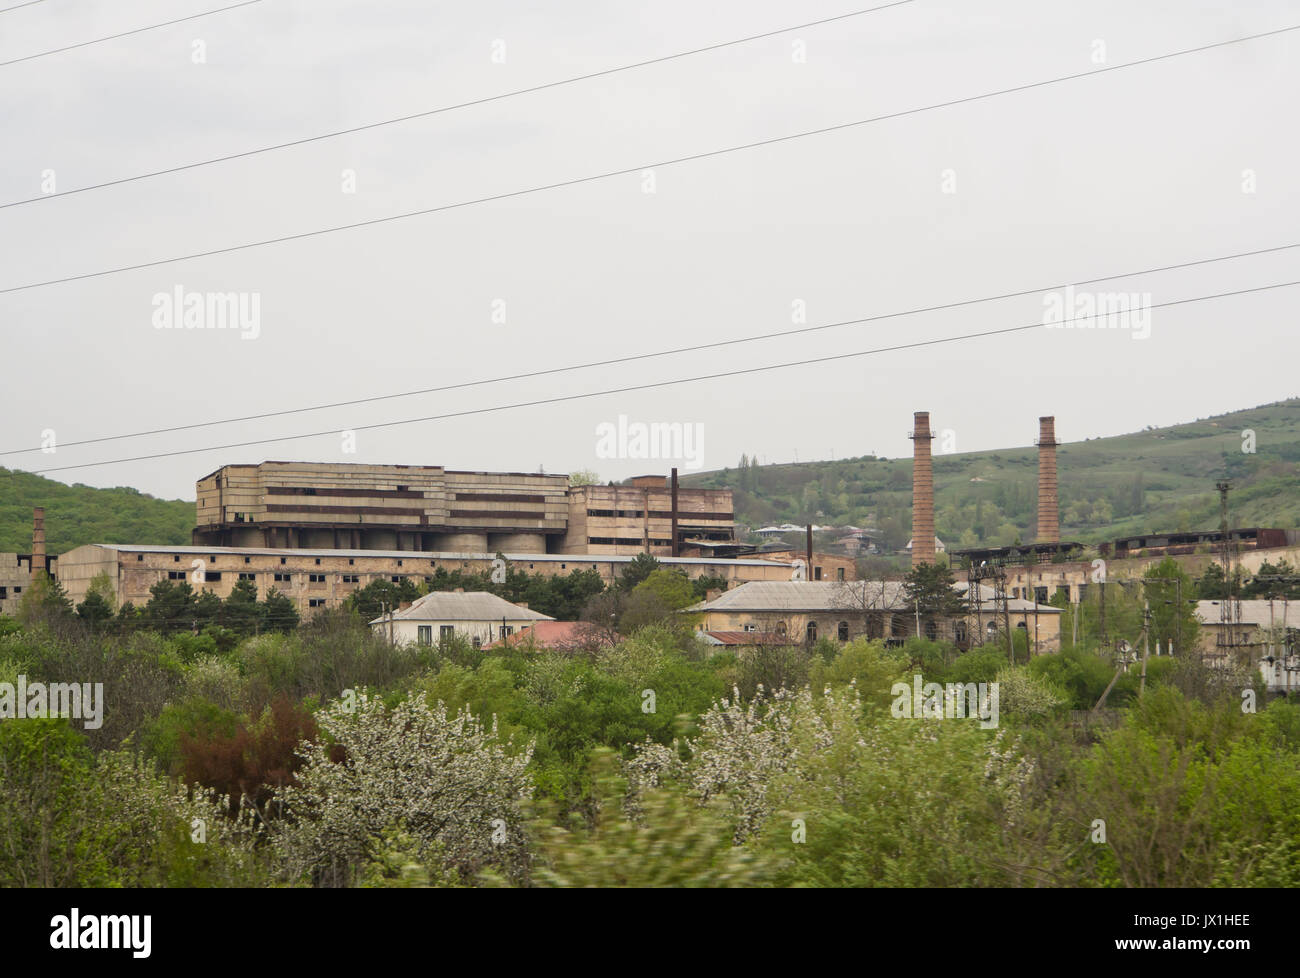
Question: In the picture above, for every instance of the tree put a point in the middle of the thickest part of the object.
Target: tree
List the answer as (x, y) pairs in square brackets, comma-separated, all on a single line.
[(1278, 580), (98, 606), (704, 584), (638, 569), (447, 780), (617, 612), (1168, 590), (171, 607), (929, 589), (671, 586), (72, 819), (241, 611), (584, 477), (279, 612), (673, 841), (370, 601), (1213, 584), (44, 600)]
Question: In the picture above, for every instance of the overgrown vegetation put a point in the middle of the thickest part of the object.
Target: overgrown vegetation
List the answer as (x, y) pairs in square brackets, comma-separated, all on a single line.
[(327, 757)]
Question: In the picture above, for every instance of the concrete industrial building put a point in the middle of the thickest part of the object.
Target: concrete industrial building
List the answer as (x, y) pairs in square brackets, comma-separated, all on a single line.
[(296, 505), (429, 509), (15, 578), (639, 518), (315, 579), (18, 571)]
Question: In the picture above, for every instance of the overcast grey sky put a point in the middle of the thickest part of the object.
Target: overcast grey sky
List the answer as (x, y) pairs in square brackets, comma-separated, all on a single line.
[(1128, 170)]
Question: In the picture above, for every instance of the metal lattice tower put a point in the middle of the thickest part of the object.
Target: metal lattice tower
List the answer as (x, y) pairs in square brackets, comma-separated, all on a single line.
[(1228, 611), (995, 574)]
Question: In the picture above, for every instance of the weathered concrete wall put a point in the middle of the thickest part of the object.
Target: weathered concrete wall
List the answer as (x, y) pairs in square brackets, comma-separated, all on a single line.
[(328, 578)]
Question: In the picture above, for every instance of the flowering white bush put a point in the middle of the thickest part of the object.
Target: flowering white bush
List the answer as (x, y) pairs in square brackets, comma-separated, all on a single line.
[(740, 748), (1021, 694), (450, 782)]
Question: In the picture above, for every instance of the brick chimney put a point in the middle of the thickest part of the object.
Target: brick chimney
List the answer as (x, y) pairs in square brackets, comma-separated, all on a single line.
[(1049, 522), (38, 542), (922, 491)]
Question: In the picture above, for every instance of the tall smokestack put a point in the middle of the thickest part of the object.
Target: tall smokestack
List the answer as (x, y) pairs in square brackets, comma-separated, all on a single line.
[(922, 491), (675, 552), (38, 542), (1049, 521)]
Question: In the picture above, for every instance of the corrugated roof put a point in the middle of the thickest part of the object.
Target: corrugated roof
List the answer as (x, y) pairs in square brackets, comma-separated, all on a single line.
[(1252, 612), (807, 596), (463, 606)]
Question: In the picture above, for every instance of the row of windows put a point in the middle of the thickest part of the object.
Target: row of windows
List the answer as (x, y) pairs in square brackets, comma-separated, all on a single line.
[(424, 634), (212, 559), (286, 578), (841, 630)]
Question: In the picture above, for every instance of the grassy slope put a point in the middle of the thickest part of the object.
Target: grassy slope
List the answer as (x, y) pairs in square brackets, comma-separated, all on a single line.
[(80, 514), (1177, 465)]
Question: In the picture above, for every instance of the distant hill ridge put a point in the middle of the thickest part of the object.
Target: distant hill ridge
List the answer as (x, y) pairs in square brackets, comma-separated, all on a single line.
[(80, 514), (1157, 479)]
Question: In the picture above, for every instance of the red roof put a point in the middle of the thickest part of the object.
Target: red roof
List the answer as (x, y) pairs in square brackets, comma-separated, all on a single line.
[(561, 635)]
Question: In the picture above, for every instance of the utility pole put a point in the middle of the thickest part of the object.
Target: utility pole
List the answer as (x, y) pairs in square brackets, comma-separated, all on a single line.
[(1227, 610), (1105, 638), (1146, 647)]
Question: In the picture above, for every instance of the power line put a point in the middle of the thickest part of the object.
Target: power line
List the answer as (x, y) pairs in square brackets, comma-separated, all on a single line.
[(29, 3), (642, 387), (114, 37), (661, 353), (452, 108), (634, 169)]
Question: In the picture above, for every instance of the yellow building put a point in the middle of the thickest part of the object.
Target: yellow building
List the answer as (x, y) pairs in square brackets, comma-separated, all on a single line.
[(315, 579), (809, 610)]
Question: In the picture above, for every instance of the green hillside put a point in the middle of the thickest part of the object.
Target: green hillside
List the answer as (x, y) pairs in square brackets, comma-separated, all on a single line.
[(80, 514), (1147, 481), (1157, 479)]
